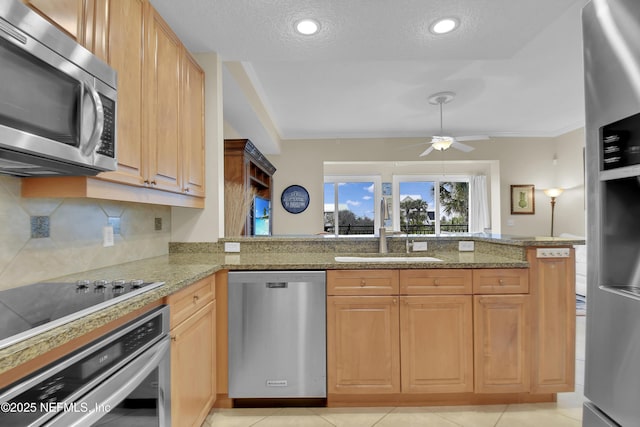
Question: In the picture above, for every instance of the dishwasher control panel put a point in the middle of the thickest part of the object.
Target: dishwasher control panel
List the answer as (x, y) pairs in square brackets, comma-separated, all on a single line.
[(553, 252)]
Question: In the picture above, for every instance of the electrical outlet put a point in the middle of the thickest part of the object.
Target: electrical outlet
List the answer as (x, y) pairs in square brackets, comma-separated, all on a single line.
[(466, 246), (419, 246), (107, 236), (232, 246)]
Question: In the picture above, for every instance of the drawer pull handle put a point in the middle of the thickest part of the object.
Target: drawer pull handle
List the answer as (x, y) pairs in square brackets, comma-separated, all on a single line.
[(174, 338)]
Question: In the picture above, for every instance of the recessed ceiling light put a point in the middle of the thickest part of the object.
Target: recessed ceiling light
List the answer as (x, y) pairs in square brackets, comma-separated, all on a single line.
[(307, 26), (443, 26)]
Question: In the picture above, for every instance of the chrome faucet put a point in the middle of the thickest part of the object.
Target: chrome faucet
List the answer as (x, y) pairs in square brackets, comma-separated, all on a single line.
[(384, 215), (382, 246)]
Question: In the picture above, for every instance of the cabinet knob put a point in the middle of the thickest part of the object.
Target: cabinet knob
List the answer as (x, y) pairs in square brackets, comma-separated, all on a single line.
[(195, 299), (501, 282), (174, 338), (186, 190), (153, 182), (395, 301), (435, 282), (363, 282), (146, 182)]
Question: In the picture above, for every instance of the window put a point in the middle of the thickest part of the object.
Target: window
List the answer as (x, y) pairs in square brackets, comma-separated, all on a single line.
[(350, 202), (420, 209)]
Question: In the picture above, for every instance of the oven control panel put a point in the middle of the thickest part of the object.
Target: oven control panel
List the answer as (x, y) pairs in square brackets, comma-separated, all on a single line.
[(553, 252)]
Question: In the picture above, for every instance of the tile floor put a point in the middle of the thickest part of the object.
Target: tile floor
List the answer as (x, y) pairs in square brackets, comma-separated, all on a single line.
[(566, 412)]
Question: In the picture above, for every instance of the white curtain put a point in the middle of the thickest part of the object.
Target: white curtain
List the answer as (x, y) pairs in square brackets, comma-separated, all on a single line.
[(478, 205)]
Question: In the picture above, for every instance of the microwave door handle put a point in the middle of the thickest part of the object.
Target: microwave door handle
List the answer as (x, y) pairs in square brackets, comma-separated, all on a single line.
[(88, 146)]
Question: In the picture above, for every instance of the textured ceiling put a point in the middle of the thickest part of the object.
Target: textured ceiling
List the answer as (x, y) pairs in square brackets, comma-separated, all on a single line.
[(516, 65)]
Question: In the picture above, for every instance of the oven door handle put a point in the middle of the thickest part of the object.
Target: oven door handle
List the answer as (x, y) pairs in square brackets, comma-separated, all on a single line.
[(95, 405)]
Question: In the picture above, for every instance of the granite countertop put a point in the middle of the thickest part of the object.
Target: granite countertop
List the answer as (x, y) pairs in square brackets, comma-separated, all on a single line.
[(179, 270)]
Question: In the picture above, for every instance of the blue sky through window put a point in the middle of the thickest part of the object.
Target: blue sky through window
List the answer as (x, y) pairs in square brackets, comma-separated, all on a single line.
[(354, 196), (422, 190)]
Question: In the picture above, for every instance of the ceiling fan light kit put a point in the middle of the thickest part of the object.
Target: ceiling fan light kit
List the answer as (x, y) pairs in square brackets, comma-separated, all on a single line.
[(442, 142)]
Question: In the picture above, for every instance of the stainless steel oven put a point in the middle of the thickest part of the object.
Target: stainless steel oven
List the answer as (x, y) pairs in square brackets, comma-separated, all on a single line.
[(121, 379)]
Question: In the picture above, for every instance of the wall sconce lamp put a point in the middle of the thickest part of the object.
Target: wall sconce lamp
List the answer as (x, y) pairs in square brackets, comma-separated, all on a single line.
[(553, 193)]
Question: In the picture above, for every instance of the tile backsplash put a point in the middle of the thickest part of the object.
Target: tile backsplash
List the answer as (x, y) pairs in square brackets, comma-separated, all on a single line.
[(74, 243)]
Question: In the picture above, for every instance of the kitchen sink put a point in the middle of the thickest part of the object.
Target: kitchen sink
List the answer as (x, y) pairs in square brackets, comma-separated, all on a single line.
[(400, 258)]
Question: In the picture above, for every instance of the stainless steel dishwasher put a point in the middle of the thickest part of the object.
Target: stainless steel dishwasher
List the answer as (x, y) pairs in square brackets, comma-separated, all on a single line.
[(277, 334)]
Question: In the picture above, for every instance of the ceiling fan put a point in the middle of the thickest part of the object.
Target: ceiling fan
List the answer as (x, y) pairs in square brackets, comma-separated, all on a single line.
[(442, 142)]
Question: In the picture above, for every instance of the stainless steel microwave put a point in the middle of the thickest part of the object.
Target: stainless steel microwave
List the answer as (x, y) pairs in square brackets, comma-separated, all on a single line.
[(57, 100)]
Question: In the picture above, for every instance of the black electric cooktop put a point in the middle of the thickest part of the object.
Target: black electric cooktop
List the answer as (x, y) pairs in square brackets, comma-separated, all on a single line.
[(32, 309)]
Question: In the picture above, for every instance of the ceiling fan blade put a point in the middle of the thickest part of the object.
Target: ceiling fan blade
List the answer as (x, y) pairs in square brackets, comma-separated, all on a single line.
[(472, 138), (462, 147), (427, 151)]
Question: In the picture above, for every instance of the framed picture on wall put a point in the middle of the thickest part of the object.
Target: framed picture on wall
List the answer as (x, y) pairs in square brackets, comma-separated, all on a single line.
[(523, 200)]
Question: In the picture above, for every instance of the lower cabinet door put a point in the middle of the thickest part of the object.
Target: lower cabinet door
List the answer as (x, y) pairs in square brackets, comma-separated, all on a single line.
[(501, 324), (193, 368), (363, 344), (436, 339)]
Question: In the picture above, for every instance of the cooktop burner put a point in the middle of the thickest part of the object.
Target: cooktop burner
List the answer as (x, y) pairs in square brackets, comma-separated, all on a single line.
[(28, 310)]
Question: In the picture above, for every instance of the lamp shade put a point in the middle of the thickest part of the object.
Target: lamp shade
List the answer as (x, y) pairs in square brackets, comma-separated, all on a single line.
[(553, 192)]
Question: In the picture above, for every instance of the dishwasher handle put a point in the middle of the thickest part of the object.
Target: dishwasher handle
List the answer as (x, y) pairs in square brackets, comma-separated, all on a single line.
[(277, 285)]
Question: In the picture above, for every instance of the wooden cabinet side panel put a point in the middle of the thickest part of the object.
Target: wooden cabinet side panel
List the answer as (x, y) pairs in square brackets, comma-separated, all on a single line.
[(222, 335), (363, 345), (192, 363), (501, 325), (554, 323), (436, 344)]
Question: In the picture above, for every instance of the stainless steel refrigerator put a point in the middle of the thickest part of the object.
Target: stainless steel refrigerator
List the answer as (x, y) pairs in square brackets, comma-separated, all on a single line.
[(611, 31)]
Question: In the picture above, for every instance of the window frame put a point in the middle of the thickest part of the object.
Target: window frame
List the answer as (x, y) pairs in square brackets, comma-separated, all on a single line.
[(377, 195), (437, 180)]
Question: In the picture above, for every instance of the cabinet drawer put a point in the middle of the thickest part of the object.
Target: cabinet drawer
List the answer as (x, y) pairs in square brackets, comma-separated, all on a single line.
[(435, 282), (362, 282), (501, 281), (187, 301)]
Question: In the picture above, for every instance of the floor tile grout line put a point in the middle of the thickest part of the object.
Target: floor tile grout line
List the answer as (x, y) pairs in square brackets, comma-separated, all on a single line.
[(384, 416), (501, 415)]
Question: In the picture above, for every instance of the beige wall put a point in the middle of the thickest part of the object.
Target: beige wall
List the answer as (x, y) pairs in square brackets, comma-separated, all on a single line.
[(521, 160), (75, 242)]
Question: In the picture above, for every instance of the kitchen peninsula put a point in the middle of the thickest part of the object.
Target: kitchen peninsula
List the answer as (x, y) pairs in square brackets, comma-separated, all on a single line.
[(495, 324)]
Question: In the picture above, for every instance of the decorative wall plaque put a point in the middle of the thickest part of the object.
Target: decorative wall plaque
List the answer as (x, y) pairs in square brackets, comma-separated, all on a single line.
[(295, 199)]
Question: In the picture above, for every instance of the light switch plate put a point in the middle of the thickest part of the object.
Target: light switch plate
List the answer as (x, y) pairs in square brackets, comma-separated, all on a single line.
[(232, 246), (419, 246), (466, 246)]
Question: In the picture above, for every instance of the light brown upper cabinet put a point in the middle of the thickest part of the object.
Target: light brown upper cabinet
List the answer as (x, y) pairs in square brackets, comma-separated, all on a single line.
[(67, 15), (162, 105), (160, 129), (193, 166)]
